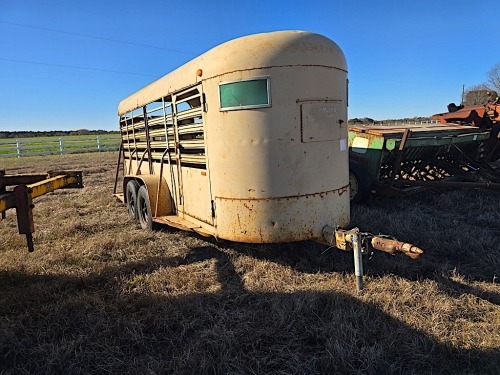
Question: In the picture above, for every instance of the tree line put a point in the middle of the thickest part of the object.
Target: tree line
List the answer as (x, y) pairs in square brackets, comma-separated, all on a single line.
[(370, 121), (486, 91), (52, 133)]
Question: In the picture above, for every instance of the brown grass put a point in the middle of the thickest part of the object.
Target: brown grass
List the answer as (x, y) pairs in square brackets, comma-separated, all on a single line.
[(99, 295)]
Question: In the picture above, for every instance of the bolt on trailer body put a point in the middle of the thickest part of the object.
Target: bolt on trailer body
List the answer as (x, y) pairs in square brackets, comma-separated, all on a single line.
[(247, 142)]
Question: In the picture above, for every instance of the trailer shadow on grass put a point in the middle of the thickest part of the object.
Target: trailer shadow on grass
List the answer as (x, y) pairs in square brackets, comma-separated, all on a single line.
[(63, 324), (446, 276), (459, 231), (313, 258)]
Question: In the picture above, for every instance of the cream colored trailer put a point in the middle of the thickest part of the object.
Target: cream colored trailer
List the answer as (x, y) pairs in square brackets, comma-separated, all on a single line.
[(247, 142)]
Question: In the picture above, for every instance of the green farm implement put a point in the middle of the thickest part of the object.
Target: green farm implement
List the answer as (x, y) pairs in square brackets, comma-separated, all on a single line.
[(404, 159)]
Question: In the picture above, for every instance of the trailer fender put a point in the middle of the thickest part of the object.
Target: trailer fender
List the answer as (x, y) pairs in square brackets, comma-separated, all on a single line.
[(158, 193)]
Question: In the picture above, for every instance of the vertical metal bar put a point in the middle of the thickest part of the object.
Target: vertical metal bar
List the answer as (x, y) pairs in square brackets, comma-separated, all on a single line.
[(134, 152), (29, 242), (138, 171), (2, 189), (128, 143), (399, 155), (61, 146), (177, 149), (148, 140), (172, 177), (18, 148), (24, 210), (118, 167), (135, 140), (358, 261), (205, 140)]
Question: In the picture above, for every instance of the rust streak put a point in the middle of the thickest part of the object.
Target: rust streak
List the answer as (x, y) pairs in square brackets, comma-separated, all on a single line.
[(339, 191), (392, 246)]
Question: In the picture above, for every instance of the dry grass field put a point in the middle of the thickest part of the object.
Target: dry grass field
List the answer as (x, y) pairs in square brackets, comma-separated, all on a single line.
[(100, 296)]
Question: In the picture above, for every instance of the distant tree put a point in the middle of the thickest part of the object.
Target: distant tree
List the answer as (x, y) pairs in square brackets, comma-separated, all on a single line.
[(83, 132), (364, 121), (476, 95), (494, 77), (355, 121)]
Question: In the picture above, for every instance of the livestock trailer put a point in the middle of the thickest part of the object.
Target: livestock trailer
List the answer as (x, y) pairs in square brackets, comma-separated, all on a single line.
[(247, 142)]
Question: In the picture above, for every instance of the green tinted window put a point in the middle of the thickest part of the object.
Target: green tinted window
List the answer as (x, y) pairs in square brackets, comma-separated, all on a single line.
[(241, 94)]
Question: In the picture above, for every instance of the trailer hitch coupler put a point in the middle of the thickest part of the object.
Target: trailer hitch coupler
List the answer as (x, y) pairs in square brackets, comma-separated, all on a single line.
[(391, 246)]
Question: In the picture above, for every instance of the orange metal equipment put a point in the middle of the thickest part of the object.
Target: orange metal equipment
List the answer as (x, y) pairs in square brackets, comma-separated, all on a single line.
[(486, 117)]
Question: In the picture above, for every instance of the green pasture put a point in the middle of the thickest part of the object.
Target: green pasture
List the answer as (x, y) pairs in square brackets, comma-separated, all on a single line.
[(11, 147)]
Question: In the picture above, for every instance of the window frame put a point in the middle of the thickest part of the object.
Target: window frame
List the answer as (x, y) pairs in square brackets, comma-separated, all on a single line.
[(252, 106)]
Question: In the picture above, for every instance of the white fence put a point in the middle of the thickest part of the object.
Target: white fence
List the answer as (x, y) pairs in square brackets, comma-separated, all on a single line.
[(54, 145), (408, 122)]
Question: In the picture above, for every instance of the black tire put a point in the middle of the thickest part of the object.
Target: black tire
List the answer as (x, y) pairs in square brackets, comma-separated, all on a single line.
[(144, 209), (131, 197), (359, 183)]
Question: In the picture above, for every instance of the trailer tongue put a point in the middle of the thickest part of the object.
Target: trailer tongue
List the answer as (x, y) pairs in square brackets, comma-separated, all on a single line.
[(26, 187), (359, 243)]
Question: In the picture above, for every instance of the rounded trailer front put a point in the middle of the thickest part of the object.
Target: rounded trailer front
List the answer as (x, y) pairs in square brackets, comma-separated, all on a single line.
[(277, 138), (250, 137)]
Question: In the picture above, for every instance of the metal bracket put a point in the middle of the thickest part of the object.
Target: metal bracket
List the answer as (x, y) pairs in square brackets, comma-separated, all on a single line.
[(26, 188), (24, 211), (352, 239)]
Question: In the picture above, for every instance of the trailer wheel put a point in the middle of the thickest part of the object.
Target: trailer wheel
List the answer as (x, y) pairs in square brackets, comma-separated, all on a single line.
[(359, 183), (131, 195), (144, 209)]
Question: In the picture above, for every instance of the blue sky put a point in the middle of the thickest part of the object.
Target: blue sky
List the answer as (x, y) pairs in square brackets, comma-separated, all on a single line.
[(405, 58)]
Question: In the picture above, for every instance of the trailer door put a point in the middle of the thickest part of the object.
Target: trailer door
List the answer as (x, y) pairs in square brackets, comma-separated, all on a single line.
[(194, 195)]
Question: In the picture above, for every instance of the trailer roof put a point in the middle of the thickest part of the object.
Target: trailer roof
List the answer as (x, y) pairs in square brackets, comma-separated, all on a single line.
[(266, 50)]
